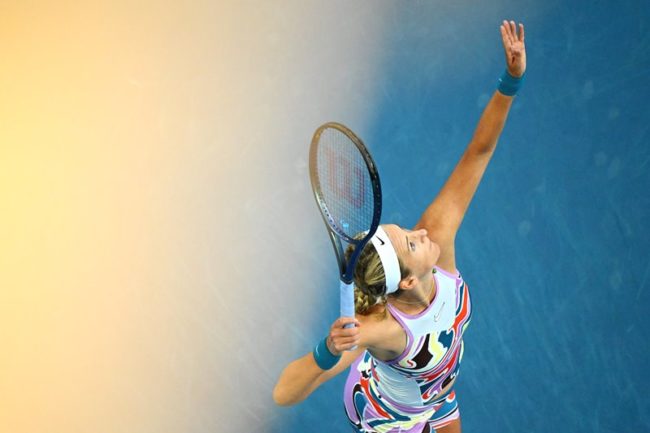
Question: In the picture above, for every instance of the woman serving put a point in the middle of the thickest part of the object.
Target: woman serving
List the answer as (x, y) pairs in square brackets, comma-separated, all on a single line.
[(405, 348)]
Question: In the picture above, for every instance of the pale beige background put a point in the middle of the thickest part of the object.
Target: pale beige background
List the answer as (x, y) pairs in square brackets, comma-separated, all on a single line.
[(160, 250)]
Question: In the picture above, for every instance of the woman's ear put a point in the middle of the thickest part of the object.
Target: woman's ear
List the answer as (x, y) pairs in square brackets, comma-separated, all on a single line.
[(408, 283)]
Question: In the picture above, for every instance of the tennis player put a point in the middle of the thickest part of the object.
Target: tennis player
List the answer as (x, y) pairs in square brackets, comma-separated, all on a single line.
[(405, 348)]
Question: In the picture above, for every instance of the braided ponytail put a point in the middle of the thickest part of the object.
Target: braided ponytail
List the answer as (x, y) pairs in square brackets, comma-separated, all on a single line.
[(370, 280)]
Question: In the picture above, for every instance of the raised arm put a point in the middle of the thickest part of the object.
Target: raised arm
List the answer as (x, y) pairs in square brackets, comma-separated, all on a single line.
[(443, 216)]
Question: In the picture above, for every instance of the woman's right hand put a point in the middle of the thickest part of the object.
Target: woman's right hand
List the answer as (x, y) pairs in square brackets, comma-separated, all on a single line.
[(340, 338)]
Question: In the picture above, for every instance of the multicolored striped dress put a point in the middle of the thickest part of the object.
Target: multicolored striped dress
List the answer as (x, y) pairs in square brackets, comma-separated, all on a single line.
[(404, 394)]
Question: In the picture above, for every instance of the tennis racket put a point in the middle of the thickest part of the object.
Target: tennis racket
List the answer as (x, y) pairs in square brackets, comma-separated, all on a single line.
[(346, 186)]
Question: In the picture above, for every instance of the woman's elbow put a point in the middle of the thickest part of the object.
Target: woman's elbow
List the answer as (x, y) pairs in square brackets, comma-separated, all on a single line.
[(281, 398)]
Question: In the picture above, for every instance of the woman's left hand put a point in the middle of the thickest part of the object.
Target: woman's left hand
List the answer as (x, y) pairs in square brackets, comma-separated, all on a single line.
[(515, 49)]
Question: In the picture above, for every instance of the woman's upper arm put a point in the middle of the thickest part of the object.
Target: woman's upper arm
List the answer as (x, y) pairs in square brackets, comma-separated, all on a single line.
[(443, 216), (446, 212)]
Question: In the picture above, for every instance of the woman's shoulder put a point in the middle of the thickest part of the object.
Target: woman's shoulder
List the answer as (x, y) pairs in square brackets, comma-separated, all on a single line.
[(375, 316), (378, 328), (450, 272)]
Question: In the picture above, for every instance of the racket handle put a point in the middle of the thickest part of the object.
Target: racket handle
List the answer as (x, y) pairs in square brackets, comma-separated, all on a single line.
[(347, 303)]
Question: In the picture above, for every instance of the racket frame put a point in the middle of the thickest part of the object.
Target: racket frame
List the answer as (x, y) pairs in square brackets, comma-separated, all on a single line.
[(346, 268)]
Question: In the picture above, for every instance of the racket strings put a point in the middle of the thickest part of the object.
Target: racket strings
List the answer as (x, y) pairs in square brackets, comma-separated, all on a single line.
[(345, 183)]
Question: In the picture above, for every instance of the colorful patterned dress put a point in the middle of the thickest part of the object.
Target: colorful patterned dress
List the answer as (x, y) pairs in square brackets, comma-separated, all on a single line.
[(404, 394)]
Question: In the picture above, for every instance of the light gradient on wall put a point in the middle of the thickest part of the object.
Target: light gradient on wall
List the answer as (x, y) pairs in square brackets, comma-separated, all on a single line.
[(147, 155)]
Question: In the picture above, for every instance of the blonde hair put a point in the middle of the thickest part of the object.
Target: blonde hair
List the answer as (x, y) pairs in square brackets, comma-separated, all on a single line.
[(370, 280)]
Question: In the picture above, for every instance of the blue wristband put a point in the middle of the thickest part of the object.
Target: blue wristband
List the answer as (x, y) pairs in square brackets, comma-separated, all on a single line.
[(509, 85), (324, 357)]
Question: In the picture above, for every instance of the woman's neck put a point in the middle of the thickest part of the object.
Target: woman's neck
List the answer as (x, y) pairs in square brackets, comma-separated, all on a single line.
[(421, 295)]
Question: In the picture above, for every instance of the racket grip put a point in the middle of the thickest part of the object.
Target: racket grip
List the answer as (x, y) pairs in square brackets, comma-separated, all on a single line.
[(347, 303)]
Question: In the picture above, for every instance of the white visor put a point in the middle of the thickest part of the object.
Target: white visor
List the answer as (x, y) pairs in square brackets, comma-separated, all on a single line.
[(388, 258)]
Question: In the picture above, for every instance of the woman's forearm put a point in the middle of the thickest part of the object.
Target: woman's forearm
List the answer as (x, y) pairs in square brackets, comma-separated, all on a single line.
[(302, 376), (297, 381), (491, 123)]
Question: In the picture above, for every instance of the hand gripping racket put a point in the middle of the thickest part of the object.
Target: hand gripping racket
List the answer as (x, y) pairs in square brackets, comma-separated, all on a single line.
[(346, 186)]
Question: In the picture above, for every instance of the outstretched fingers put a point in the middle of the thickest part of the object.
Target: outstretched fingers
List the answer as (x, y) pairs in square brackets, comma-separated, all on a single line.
[(510, 34), (514, 47)]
